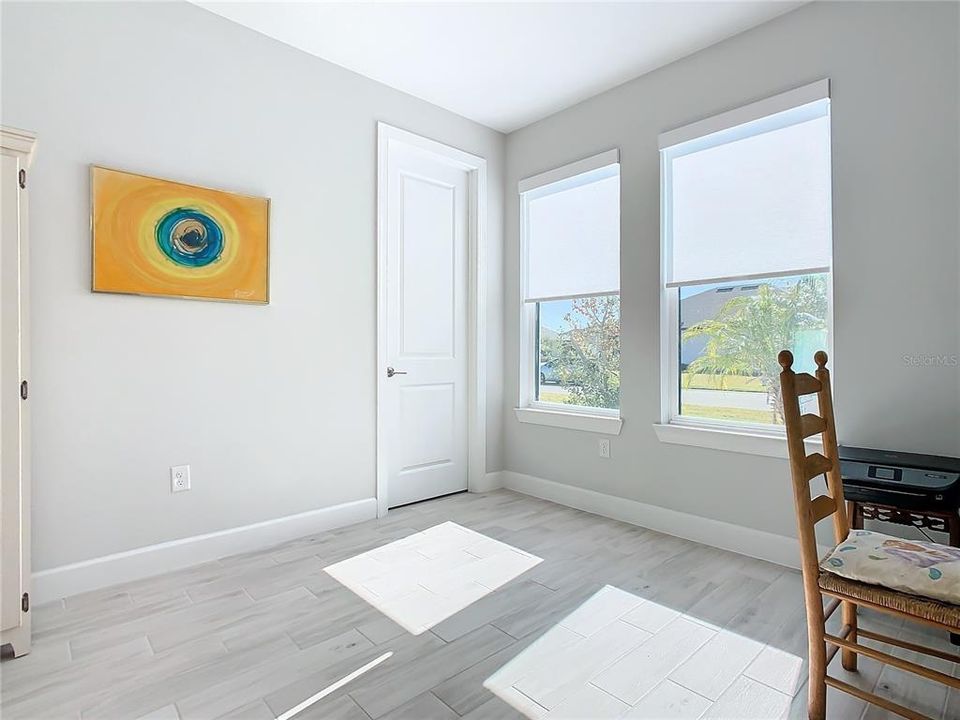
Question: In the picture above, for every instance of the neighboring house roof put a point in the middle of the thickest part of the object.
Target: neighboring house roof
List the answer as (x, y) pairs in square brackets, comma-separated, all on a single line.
[(707, 304)]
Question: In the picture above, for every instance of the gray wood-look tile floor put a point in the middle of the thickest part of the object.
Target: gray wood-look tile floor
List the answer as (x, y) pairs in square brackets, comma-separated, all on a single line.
[(253, 635)]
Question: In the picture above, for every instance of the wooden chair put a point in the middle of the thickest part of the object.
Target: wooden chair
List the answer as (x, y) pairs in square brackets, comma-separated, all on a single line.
[(845, 594)]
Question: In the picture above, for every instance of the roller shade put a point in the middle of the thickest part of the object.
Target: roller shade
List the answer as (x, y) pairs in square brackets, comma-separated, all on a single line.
[(750, 201), (572, 236)]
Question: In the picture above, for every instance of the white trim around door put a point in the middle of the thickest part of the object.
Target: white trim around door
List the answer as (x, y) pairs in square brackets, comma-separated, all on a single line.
[(476, 167)]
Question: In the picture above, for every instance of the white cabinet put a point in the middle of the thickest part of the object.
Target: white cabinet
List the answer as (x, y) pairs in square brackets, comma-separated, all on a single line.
[(16, 148)]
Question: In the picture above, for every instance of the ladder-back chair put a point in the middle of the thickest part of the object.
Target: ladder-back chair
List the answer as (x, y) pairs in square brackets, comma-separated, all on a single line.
[(844, 593)]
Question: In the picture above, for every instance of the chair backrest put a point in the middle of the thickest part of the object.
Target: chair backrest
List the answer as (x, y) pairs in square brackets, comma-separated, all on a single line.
[(805, 468)]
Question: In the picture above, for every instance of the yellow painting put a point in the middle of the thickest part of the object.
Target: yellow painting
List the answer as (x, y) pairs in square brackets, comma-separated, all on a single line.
[(157, 237)]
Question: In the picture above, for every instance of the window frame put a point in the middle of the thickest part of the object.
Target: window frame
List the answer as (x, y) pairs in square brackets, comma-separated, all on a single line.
[(753, 438), (530, 409)]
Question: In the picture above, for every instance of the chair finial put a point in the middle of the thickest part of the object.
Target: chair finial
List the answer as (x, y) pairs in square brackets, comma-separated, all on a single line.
[(820, 358), (785, 358)]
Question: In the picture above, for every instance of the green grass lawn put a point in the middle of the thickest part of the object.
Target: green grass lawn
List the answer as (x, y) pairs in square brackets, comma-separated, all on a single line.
[(764, 417), (554, 397), (738, 414), (699, 381)]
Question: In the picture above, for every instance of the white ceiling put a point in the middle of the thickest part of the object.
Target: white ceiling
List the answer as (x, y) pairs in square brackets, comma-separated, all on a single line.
[(502, 64)]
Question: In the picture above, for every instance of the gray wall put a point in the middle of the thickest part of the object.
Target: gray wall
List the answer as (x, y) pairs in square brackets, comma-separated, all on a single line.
[(894, 69), (274, 406)]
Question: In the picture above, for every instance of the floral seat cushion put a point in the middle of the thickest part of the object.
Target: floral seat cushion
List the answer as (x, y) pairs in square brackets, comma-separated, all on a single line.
[(920, 568)]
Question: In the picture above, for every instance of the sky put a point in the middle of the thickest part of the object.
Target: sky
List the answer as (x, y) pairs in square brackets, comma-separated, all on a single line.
[(552, 314)]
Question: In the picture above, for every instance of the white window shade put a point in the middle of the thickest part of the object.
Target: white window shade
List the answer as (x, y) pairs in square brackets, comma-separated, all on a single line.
[(751, 201), (572, 231)]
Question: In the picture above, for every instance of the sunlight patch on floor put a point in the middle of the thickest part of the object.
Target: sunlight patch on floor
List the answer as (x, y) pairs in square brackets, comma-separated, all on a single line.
[(620, 656), (424, 578), (313, 699)]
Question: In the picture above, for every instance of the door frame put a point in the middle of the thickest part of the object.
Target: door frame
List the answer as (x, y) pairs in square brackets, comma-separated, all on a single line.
[(476, 168)]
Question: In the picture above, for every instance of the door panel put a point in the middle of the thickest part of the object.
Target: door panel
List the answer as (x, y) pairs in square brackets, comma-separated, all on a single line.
[(424, 406), (10, 403), (427, 240)]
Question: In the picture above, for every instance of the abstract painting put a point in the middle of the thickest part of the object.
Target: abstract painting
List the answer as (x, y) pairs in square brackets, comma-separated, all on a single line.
[(158, 237)]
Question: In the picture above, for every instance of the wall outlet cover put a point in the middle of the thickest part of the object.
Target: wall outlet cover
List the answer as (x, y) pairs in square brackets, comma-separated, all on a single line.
[(179, 478), (604, 448)]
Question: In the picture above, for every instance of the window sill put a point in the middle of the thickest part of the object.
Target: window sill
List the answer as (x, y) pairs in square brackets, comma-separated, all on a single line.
[(727, 440), (588, 422)]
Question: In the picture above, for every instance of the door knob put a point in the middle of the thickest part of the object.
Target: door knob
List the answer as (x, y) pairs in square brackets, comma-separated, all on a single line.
[(391, 372)]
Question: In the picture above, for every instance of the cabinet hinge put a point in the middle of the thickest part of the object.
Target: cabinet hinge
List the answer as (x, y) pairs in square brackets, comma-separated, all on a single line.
[(24, 390), (23, 179), (25, 602)]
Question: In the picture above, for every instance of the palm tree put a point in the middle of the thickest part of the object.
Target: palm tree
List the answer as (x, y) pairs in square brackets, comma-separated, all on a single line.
[(748, 332)]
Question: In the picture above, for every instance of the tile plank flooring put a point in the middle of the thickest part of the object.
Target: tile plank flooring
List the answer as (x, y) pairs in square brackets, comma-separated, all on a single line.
[(253, 635)]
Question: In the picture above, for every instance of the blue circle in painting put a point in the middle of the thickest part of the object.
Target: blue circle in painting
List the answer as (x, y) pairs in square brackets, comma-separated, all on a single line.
[(189, 237)]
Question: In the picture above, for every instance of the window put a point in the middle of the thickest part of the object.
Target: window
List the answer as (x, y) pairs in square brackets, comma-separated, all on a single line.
[(570, 315), (747, 245)]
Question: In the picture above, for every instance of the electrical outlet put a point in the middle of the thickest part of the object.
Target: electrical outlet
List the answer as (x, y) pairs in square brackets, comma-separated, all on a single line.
[(179, 478), (605, 448)]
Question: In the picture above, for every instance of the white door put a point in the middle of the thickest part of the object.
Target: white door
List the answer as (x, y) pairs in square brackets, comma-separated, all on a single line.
[(11, 532), (423, 398)]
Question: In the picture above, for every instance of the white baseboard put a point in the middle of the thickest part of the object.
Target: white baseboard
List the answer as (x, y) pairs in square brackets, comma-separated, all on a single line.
[(755, 543), (143, 562)]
